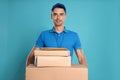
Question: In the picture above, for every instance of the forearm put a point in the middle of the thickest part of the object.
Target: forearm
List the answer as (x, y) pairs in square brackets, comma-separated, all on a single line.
[(81, 57), (31, 57), (30, 60), (82, 60)]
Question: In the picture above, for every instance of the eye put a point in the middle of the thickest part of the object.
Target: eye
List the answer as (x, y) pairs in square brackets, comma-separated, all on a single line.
[(61, 14), (54, 14)]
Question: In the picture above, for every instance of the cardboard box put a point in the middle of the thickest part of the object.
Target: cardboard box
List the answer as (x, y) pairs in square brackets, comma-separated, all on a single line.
[(52, 52), (75, 72), (53, 61)]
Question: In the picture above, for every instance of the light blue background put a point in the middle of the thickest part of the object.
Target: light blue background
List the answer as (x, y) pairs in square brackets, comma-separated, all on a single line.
[(96, 21)]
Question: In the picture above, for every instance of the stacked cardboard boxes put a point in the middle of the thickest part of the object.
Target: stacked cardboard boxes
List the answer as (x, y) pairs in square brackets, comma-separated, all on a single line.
[(55, 64), (74, 72), (52, 57)]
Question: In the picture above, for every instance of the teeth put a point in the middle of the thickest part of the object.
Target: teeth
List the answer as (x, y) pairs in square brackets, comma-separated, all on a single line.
[(58, 20)]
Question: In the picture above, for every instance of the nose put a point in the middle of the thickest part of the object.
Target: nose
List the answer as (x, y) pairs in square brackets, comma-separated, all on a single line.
[(58, 16)]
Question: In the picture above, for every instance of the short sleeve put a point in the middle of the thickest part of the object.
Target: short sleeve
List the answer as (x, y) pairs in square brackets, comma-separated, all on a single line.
[(77, 44), (39, 42)]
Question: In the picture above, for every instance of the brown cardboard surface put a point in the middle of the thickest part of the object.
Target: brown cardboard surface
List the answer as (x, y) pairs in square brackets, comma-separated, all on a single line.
[(53, 61), (75, 72), (52, 52), (53, 49)]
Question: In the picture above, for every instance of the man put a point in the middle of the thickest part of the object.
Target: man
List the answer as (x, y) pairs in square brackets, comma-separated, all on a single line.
[(59, 36)]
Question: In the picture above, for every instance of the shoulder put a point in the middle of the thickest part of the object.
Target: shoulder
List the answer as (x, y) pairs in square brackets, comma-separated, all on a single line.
[(71, 32), (44, 33)]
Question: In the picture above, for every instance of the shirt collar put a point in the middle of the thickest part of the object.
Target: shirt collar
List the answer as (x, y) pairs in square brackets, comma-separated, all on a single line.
[(65, 30)]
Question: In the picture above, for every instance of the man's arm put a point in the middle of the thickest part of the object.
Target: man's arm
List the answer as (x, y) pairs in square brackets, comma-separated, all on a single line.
[(30, 59), (81, 57)]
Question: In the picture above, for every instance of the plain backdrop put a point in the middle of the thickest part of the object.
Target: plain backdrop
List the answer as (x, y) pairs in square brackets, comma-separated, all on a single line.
[(97, 23)]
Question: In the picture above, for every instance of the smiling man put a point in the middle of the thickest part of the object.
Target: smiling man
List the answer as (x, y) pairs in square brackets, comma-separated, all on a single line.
[(59, 36)]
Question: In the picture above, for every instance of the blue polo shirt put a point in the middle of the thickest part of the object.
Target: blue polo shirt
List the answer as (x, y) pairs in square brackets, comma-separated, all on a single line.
[(66, 39)]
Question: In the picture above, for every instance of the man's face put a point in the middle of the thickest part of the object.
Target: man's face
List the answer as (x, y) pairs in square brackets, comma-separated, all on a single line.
[(58, 15)]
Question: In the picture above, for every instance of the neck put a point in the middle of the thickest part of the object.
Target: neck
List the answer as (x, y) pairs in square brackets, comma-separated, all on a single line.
[(59, 29)]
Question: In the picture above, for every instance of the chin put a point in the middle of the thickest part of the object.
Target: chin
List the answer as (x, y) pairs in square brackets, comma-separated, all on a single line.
[(58, 25)]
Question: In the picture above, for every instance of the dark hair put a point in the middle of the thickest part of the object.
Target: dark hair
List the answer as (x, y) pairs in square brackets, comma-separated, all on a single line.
[(59, 5)]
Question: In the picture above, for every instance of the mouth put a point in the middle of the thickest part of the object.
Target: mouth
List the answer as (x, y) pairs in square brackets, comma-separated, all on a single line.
[(58, 21)]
